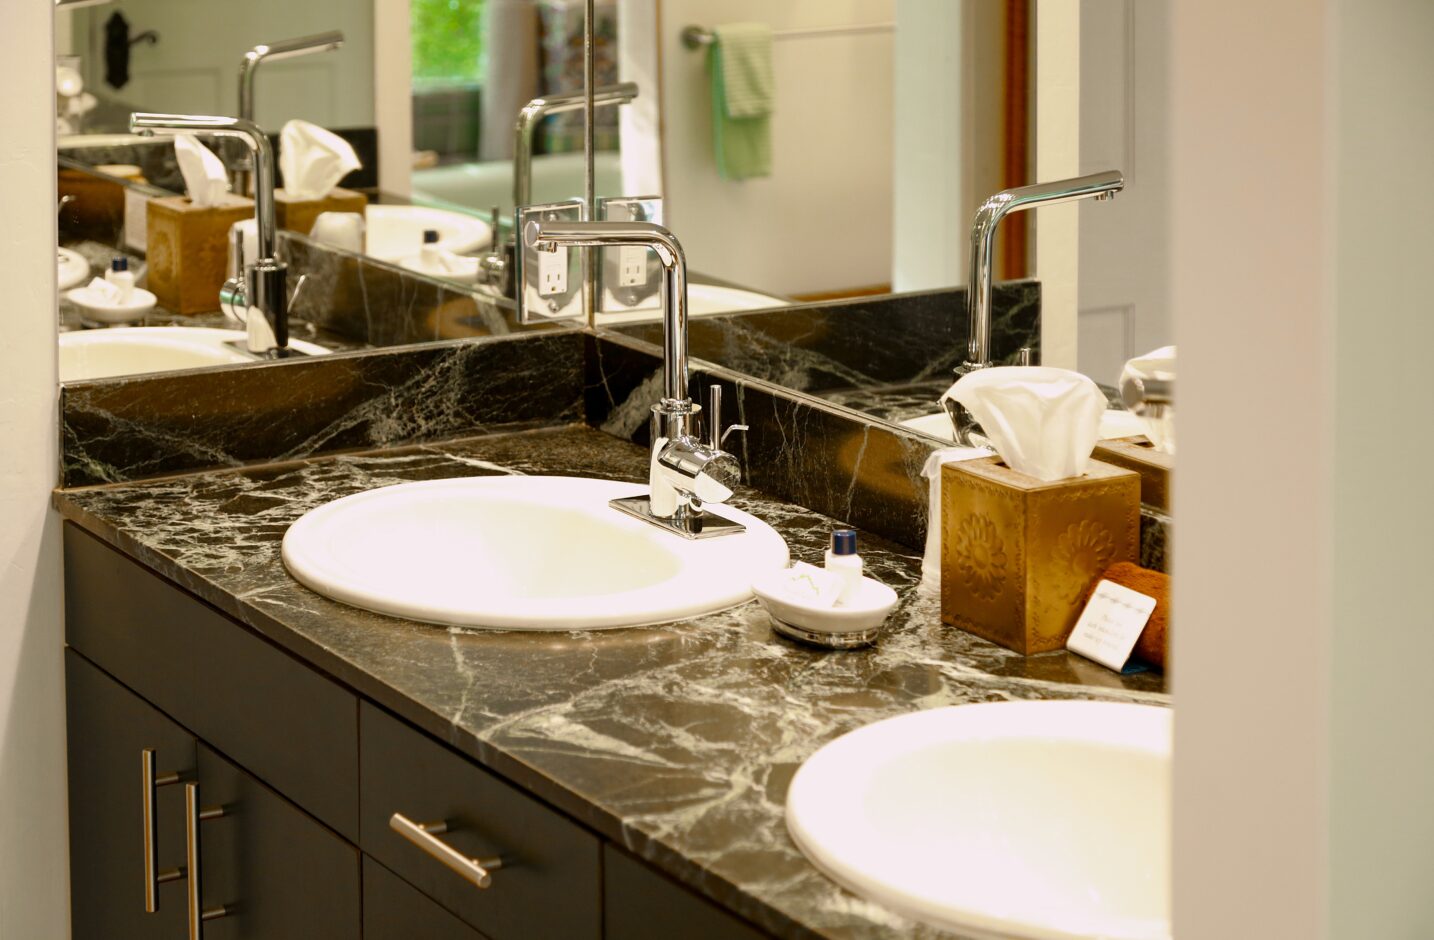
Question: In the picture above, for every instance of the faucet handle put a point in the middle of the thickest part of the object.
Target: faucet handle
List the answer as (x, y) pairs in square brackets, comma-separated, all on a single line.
[(716, 436)]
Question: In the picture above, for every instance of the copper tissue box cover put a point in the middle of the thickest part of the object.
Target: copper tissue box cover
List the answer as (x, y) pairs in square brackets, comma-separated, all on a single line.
[(1155, 467), (188, 250), (1018, 554), (299, 215)]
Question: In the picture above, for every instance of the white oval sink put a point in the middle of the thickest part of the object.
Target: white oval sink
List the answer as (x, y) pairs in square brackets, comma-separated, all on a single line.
[(98, 354), (394, 232), (1008, 819), (521, 553)]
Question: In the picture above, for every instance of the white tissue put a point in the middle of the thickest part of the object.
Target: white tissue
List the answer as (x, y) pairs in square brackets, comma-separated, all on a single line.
[(1156, 364), (204, 174), (931, 561), (1043, 421), (810, 586), (313, 160), (104, 292)]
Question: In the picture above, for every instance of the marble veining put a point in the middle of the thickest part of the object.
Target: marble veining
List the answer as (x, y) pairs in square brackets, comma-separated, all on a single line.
[(896, 339), (678, 741), (176, 422)]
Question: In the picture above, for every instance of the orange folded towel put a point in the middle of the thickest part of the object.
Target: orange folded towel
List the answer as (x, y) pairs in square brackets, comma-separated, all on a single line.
[(1153, 646)]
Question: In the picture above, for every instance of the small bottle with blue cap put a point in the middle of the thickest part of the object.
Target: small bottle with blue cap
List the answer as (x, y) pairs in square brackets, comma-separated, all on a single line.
[(121, 277), (843, 561)]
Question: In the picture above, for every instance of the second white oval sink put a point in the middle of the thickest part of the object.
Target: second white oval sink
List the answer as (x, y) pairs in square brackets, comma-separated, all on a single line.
[(521, 553), (1042, 820)]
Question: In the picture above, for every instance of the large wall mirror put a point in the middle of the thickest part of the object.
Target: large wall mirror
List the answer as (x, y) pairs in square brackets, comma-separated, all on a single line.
[(825, 261), (889, 122)]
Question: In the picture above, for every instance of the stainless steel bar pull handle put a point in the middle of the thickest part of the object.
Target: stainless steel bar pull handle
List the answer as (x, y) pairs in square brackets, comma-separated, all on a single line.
[(193, 816), (477, 871), (149, 781)]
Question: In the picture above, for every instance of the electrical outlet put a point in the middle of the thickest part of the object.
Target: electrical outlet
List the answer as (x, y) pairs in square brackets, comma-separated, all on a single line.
[(632, 266), (553, 272)]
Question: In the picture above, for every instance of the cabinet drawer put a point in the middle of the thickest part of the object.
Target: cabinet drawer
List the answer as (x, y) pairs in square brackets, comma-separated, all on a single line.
[(550, 882), (292, 727), (641, 904), (282, 874), (393, 909)]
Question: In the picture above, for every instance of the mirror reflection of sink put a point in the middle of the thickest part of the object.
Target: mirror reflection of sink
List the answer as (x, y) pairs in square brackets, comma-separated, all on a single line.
[(1006, 819), (521, 553), (702, 300), (98, 354), (1113, 424), (395, 232)]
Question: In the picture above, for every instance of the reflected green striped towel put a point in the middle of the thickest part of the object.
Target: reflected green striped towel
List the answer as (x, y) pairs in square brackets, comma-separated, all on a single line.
[(740, 68)]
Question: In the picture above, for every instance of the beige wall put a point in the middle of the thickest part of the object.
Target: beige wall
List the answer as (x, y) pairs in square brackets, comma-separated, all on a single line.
[(1250, 218), (1382, 707), (34, 872)]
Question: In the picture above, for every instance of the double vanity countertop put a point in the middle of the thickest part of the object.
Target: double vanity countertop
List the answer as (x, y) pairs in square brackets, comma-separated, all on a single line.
[(676, 741)]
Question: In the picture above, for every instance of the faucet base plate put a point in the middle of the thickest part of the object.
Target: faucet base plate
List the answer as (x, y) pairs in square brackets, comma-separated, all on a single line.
[(686, 523)]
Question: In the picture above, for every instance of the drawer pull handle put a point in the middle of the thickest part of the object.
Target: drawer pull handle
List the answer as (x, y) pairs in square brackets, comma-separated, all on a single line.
[(193, 816), (149, 781), (478, 871)]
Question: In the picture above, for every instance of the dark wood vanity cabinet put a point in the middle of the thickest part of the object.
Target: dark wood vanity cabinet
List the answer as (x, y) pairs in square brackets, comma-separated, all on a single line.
[(305, 777), (280, 872)]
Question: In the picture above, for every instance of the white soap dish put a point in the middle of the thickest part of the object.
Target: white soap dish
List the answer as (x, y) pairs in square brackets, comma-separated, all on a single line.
[(73, 268), (857, 623), (95, 307)]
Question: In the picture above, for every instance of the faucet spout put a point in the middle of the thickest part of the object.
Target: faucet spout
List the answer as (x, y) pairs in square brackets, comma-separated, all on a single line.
[(532, 115), (277, 52), (983, 236), (1099, 186)]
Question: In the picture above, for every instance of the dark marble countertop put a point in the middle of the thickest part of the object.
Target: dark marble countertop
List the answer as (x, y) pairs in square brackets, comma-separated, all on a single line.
[(675, 741)]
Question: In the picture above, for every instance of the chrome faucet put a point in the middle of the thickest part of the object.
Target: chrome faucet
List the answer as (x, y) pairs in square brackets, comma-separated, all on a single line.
[(685, 472), (273, 52), (260, 296), (498, 267), (1100, 186)]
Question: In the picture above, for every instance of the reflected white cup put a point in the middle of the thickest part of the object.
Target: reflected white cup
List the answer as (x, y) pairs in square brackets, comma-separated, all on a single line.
[(343, 230)]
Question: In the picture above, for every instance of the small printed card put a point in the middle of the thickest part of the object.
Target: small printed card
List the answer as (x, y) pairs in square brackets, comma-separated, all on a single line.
[(1110, 624)]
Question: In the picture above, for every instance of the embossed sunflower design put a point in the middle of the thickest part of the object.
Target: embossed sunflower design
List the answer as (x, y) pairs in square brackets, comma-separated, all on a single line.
[(1083, 549), (980, 556)]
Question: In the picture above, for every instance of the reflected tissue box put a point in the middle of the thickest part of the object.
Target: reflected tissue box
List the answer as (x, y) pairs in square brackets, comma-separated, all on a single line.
[(188, 250), (1018, 555), (298, 215)]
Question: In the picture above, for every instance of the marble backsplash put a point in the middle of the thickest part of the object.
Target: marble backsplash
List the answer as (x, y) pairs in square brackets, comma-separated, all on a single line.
[(860, 470), (892, 340), (116, 430)]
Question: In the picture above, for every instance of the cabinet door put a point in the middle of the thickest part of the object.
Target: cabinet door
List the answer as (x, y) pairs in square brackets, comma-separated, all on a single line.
[(278, 873), (109, 727)]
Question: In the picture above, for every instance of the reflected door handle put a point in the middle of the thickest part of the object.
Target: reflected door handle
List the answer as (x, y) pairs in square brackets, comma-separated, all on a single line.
[(149, 782), (477, 871), (193, 816)]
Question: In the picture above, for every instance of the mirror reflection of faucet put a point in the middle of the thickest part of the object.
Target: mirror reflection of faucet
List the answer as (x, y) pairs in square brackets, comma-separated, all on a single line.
[(1099, 186), (685, 471), (260, 297), (501, 267)]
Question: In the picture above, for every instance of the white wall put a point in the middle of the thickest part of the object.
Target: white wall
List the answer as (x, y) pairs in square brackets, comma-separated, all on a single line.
[(393, 97), (1381, 705), (822, 221), (34, 872)]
